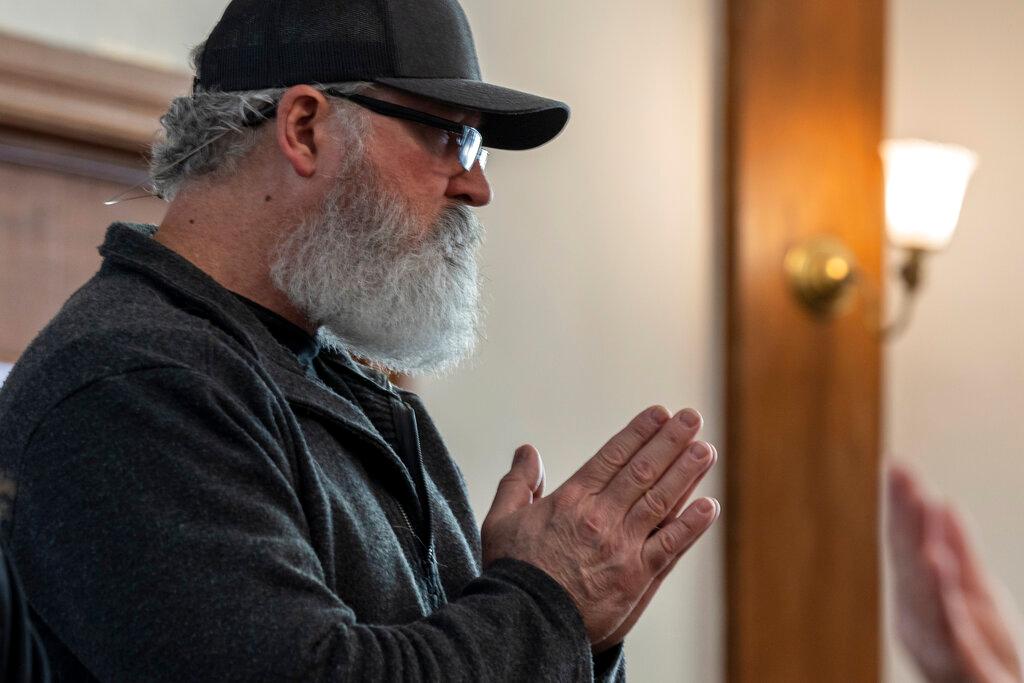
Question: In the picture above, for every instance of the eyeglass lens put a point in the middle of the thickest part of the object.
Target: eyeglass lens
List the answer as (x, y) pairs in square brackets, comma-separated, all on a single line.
[(470, 149)]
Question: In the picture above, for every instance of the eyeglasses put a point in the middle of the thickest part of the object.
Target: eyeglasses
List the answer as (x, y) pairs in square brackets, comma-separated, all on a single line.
[(468, 138)]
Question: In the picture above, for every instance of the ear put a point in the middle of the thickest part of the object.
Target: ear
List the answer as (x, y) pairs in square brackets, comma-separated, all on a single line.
[(303, 117)]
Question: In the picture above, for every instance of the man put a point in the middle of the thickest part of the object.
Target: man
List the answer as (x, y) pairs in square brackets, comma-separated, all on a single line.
[(209, 487)]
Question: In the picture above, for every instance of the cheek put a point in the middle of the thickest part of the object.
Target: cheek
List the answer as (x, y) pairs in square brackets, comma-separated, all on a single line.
[(407, 160), (410, 171)]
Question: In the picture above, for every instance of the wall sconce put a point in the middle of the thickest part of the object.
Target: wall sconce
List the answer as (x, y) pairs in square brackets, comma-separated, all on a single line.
[(925, 183)]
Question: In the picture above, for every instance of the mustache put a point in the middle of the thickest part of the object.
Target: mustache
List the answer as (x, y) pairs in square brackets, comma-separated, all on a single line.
[(457, 231)]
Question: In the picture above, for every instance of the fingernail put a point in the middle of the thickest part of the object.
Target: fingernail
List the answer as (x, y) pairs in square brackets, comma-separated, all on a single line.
[(705, 506), (519, 455), (699, 451), (689, 417), (658, 414)]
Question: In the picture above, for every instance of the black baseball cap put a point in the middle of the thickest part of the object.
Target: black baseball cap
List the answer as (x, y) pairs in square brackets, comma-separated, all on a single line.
[(423, 47)]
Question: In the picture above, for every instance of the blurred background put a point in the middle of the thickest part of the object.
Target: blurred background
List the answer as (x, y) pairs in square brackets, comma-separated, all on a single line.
[(624, 266)]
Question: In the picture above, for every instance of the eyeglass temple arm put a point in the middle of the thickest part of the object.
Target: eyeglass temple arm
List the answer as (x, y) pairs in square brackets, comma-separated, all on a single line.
[(382, 107)]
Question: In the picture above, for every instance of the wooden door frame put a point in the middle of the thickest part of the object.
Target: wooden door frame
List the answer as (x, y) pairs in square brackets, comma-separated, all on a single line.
[(804, 119)]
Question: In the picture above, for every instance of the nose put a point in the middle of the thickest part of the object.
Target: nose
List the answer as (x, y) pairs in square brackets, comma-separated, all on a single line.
[(470, 187)]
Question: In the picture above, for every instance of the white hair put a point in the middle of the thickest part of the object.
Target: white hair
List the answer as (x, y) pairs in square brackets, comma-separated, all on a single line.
[(400, 292), (207, 132)]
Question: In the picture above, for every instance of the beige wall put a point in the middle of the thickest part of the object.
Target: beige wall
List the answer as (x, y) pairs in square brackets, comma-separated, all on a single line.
[(600, 263), (955, 382), (152, 32), (601, 271)]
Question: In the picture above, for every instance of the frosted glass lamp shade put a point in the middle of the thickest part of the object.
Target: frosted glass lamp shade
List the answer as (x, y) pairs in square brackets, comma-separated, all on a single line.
[(925, 184)]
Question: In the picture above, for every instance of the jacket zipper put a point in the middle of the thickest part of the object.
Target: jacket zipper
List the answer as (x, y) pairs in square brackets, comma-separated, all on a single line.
[(424, 549), (424, 534)]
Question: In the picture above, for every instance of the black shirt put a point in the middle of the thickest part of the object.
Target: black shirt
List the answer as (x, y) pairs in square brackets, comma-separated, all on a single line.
[(390, 415), (288, 334)]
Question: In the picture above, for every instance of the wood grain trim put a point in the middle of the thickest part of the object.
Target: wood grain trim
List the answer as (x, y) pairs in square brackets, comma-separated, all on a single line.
[(803, 396), (82, 96)]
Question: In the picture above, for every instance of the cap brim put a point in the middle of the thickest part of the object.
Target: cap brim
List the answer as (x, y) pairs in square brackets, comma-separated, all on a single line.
[(512, 119)]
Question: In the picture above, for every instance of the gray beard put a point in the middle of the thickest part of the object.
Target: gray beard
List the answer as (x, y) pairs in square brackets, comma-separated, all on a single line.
[(356, 270)]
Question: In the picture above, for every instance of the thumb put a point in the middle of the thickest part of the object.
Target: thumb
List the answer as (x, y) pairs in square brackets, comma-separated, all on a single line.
[(517, 488)]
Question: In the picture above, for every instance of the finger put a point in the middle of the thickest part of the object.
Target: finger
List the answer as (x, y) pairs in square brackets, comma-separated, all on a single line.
[(906, 508), (539, 490), (907, 528), (962, 550), (600, 469), (672, 490), (676, 538), (516, 489), (651, 461), (681, 503), (974, 652)]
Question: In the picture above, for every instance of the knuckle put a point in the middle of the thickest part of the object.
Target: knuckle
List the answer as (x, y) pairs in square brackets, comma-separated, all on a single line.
[(668, 542), (615, 455), (486, 526), (602, 554), (676, 435), (641, 472), (684, 529), (656, 503), (510, 479), (640, 428), (566, 497), (592, 525)]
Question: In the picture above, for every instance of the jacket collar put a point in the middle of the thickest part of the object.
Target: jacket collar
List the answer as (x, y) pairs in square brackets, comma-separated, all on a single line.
[(131, 245)]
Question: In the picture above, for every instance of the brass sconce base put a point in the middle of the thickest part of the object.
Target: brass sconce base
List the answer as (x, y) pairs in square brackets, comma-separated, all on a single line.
[(824, 277), (822, 273)]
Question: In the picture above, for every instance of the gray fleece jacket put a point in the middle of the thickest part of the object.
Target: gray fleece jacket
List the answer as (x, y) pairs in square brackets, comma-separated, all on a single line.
[(192, 505)]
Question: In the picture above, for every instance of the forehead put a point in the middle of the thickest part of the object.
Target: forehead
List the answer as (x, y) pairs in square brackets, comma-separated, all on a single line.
[(426, 105)]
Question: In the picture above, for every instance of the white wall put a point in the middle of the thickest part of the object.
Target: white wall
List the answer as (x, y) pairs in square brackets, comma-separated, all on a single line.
[(601, 259), (956, 379)]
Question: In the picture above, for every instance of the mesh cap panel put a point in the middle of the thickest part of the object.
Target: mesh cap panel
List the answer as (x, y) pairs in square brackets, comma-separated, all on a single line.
[(279, 43), (316, 21), (436, 40), (242, 25), (423, 47)]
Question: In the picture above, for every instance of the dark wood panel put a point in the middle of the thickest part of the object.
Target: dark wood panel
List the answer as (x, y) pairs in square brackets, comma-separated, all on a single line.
[(805, 120)]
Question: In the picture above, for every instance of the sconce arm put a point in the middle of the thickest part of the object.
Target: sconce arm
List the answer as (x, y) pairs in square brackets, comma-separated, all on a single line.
[(911, 276), (824, 275)]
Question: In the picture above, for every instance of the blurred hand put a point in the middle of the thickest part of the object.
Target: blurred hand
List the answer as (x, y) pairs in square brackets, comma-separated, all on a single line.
[(950, 614), (613, 530)]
